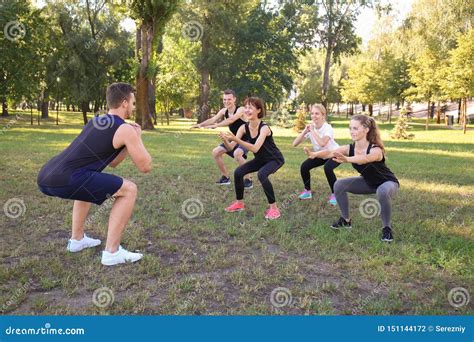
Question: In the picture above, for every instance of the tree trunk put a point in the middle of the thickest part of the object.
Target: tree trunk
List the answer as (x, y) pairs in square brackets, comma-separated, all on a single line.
[(152, 98), (31, 115), (44, 104), (4, 107), (390, 112), (432, 110), (145, 36), (45, 109), (465, 115), (204, 87), (327, 66), (427, 115), (459, 110), (84, 109), (438, 112), (96, 107), (371, 109)]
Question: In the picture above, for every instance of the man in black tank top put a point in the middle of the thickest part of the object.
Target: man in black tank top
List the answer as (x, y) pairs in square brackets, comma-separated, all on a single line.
[(76, 174), (231, 115)]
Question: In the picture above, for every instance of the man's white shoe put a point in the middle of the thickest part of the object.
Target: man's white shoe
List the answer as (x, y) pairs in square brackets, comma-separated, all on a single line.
[(79, 245), (119, 257)]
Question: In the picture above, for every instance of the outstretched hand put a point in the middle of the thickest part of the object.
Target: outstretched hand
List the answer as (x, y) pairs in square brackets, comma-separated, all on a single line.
[(339, 157), (228, 136), (309, 153)]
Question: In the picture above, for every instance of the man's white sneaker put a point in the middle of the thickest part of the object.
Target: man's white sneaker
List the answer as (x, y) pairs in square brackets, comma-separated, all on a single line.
[(79, 245), (119, 257)]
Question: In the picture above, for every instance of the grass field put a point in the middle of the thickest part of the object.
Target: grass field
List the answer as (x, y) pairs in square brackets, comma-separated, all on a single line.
[(219, 263)]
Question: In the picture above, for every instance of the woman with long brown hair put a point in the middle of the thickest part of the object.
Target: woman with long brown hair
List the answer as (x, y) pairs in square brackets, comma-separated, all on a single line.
[(367, 156)]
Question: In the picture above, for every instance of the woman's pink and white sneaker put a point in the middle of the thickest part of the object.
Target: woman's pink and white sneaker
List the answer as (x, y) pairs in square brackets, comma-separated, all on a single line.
[(272, 214), (236, 206)]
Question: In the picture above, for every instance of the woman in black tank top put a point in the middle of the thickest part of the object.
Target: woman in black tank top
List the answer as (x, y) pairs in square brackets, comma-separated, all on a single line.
[(268, 158), (367, 156)]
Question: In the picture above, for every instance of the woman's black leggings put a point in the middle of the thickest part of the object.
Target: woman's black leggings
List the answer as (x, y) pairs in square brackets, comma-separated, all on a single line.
[(329, 166), (264, 169)]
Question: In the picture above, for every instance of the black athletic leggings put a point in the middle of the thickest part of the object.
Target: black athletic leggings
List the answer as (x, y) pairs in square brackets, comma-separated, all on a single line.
[(329, 166), (264, 169)]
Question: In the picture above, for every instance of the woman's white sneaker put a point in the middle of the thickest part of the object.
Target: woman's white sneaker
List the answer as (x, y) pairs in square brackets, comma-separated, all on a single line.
[(121, 256), (79, 245)]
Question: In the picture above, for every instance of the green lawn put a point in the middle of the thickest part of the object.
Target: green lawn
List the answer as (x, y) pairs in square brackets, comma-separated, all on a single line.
[(219, 263)]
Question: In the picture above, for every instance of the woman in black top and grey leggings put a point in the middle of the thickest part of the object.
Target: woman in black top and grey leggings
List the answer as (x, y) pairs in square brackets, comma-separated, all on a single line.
[(268, 158), (366, 154)]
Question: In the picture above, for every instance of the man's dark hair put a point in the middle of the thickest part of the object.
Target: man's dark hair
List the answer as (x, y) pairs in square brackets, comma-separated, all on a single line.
[(117, 93), (229, 92)]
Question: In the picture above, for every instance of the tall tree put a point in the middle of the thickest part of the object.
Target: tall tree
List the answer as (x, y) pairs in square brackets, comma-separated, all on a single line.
[(212, 24), (94, 45), (21, 50), (178, 79), (430, 42), (248, 46), (151, 16), (336, 32), (458, 75)]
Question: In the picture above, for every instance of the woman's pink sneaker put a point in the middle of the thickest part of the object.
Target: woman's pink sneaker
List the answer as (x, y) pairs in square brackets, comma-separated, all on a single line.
[(272, 214), (236, 206)]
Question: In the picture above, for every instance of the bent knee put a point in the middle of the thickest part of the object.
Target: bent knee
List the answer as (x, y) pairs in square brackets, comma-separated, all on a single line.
[(238, 173), (262, 177), (328, 167), (218, 151), (238, 154), (128, 188), (338, 186)]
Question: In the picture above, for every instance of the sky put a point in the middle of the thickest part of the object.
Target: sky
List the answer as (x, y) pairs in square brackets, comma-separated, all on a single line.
[(367, 17)]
